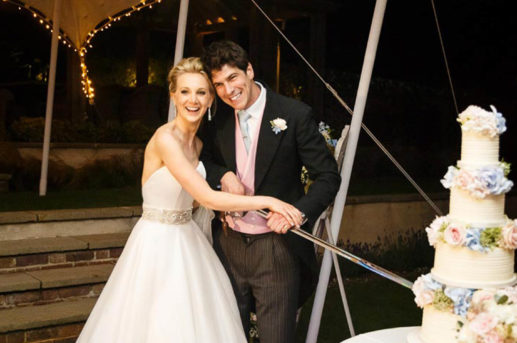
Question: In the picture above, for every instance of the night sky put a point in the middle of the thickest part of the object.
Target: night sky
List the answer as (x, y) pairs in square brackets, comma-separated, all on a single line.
[(410, 102)]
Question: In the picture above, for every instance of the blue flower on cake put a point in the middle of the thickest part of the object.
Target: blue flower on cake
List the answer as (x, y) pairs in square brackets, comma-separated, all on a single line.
[(424, 289), (473, 240), (474, 244), (491, 317), (476, 119), (461, 298), (481, 239), (479, 182)]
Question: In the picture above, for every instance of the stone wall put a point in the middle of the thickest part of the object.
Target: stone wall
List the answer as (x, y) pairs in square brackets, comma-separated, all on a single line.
[(77, 155), (367, 219)]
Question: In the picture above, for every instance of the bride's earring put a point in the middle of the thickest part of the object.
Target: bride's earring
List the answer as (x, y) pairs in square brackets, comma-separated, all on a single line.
[(209, 114)]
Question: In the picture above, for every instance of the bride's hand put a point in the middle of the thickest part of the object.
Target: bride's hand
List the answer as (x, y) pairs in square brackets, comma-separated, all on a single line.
[(283, 216)]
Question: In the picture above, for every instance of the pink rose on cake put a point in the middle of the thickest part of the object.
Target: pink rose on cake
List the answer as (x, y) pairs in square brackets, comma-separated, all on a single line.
[(464, 178), (483, 323), (494, 337), (481, 296), (455, 234), (424, 289), (509, 232)]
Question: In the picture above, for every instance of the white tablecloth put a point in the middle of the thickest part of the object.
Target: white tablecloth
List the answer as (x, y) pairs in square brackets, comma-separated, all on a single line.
[(395, 335)]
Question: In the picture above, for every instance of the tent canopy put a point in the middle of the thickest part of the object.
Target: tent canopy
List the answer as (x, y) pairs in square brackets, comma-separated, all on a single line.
[(80, 17)]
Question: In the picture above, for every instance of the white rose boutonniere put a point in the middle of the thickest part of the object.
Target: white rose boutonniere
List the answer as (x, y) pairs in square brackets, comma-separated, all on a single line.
[(278, 125)]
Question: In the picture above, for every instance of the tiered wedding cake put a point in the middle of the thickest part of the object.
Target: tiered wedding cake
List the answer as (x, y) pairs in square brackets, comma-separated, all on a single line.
[(467, 297)]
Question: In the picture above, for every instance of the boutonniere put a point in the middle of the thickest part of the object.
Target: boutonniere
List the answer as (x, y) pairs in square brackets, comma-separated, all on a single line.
[(278, 125)]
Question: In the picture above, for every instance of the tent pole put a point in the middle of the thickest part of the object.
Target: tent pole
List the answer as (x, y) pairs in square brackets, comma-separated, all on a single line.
[(50, 98), (346, 171), (180, 44)]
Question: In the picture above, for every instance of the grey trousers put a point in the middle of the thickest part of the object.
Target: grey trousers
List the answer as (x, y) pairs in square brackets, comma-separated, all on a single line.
[(265, 277)]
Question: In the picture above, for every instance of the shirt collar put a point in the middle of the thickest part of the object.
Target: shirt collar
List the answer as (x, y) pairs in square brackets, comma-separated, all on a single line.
[(256, 109)]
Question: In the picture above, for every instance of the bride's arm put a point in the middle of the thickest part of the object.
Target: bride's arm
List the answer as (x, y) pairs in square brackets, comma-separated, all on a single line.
[(179, 166)]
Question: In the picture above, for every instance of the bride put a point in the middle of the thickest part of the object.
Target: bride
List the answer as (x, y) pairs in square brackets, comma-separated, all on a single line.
[(168, 285)]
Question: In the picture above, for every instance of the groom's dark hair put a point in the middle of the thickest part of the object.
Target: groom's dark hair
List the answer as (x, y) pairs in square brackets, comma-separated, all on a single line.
[(219, 53)]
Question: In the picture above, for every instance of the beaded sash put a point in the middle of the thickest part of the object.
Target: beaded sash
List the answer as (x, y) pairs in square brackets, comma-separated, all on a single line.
[(165, 216)]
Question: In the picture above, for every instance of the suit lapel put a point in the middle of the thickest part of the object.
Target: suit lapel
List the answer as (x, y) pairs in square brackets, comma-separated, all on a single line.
[(227, 138), (268, 141)]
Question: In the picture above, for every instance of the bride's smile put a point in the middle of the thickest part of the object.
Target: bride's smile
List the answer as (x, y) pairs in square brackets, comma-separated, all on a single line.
[(192, 97)]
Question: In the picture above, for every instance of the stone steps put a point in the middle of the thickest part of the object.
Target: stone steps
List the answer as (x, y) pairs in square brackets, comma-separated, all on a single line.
[(53, 323), (52, 285), (53, 266), (58, 252)]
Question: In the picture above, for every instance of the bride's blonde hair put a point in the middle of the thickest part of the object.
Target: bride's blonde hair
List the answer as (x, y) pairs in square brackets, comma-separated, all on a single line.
[(188, 65)]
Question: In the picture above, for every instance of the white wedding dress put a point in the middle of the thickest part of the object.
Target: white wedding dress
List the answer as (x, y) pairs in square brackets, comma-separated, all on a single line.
[(168, 285)]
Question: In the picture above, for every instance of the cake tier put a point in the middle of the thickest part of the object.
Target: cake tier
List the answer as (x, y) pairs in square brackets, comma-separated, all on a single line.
[(463, 267), (437, 327), (478, 150), (486, 212)]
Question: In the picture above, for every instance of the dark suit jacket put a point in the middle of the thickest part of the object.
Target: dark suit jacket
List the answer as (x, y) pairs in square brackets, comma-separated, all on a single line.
[(278, 164)]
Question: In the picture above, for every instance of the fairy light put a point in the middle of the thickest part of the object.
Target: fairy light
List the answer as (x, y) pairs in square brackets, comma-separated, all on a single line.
[(86, 82)]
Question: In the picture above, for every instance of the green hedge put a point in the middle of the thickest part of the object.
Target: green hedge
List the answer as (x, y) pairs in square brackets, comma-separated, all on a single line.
[(31, 129)]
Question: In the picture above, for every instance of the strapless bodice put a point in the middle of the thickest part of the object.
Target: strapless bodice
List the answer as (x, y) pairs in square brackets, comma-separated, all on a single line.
[(162, 190)]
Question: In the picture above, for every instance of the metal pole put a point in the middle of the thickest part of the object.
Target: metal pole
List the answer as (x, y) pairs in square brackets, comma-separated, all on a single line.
[(50, 98), (180, 44), (343, 253), (351, 147)]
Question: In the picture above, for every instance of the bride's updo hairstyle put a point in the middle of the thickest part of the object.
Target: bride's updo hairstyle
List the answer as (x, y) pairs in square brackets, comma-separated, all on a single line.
[(188, 65)]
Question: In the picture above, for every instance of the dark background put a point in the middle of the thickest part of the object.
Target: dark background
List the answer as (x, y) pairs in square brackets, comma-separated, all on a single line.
[(410, 105)]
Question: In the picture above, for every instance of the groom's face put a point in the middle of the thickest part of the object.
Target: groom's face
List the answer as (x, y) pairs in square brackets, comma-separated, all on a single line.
[(235, 86)]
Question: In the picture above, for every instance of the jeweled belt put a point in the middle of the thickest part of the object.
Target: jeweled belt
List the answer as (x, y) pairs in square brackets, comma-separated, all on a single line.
[(165, 216)]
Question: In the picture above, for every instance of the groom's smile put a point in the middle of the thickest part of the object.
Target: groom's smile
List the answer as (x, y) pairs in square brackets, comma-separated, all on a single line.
[(236, 87)]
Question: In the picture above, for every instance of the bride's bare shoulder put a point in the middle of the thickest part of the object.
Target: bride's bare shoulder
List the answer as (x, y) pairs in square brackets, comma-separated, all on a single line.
[(163, 134)]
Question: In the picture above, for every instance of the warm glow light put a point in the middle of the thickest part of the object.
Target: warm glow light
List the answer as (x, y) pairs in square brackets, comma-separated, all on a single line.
[(208, 22), (85, 80), (220, 20)]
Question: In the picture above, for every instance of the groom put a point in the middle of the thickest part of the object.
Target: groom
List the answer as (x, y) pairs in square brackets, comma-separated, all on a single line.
[(257, 144)]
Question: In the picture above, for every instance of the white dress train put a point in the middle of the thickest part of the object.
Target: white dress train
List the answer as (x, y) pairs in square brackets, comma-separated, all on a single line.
[(168, 285)]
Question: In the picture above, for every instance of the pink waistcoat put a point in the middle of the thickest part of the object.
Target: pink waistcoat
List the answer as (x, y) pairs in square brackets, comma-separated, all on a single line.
[(251, 223)]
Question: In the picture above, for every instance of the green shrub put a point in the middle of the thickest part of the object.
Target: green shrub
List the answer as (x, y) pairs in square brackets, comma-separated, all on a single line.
[(27, 129), (116, 172), (10, 158), (138, 132), (401, 253), (27, 175)]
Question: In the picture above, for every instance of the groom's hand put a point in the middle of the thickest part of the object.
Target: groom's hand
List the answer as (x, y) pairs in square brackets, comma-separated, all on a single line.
[(278, 223), (230, 183)]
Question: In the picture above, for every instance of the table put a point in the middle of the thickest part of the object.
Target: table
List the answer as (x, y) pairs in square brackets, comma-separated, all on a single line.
[(394, 335)]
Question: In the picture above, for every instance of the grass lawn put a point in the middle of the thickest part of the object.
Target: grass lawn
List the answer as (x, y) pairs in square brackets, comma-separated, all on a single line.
[(111, 197), (21, 201), (375, 304)]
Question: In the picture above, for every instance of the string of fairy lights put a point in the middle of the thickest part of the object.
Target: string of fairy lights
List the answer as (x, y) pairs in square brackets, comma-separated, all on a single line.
[(86, 82)]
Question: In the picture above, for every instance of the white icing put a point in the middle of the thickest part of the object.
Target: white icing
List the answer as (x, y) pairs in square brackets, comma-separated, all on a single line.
[(438, 326), (460, 266), (478, 150), (465, 209), (463, 267)]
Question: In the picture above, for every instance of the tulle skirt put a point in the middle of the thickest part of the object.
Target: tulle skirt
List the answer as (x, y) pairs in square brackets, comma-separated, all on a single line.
[(167, 286)]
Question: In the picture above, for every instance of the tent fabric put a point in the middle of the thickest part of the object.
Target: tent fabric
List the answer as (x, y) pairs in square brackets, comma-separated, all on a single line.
[(79, 17)]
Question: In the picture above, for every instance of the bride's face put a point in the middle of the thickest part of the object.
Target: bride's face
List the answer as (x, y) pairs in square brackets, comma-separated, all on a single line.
[(192, 97)]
